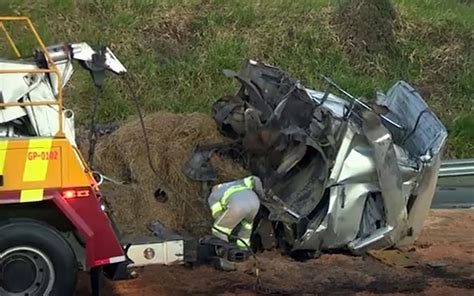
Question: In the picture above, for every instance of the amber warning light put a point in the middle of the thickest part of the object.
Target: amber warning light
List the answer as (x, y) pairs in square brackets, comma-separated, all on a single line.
[(73, 193)]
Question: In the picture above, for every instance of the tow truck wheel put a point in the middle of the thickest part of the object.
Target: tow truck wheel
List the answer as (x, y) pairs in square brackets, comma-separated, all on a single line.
[(35, 260)]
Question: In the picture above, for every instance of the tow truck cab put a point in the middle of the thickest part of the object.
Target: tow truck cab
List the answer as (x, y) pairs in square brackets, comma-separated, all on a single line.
[(52, 220)]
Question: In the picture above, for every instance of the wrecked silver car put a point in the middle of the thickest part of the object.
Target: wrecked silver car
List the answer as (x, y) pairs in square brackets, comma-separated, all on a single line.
[(340, 173)]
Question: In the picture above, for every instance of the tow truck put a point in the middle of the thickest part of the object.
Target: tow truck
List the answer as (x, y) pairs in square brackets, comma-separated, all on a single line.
[(53, 222)]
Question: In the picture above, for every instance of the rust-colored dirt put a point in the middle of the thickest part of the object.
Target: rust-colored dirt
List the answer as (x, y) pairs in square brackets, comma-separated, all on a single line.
[(448, 239)]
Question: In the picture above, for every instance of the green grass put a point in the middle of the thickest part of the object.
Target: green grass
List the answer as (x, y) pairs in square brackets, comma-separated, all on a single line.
[(177, 50)]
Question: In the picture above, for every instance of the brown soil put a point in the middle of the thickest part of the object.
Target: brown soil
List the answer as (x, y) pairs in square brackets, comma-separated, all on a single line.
[(172, 137), (448, 238), (366, 28)]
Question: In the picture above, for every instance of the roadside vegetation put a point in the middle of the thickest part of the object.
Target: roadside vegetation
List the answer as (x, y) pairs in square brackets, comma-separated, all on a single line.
[(177, 49)]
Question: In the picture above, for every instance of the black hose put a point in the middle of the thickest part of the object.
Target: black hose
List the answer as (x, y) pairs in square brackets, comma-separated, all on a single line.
[(142, 124), (128, 82), (92, 130)]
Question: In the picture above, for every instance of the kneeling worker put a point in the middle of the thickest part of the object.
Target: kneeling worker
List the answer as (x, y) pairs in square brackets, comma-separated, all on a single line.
[(234, 206)]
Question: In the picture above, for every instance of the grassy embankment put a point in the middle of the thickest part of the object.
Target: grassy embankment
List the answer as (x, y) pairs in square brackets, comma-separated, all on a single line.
[(177, 49)]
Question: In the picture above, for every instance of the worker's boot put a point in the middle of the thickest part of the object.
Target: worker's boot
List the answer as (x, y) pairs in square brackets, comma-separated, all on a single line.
[(225, 265)]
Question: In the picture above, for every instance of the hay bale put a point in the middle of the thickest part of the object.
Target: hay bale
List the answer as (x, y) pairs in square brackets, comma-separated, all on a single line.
[(172, 137), (125, 208)]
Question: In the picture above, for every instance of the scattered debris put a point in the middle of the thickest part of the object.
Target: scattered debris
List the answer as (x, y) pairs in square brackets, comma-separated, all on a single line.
[(393, 257), (423, 245), (436, 264), (331, 274)]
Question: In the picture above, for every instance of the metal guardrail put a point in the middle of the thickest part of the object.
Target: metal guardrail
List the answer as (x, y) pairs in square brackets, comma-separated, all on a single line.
[(457, 168), (455, 185)]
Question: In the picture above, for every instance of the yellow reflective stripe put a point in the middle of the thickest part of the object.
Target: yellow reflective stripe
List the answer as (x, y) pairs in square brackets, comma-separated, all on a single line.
[(221, 229), (234, 189), (36, 166), (216, 208), (243, 242), (248, 182), (3, 153), (228, 193), (246, 225), (31, 195)]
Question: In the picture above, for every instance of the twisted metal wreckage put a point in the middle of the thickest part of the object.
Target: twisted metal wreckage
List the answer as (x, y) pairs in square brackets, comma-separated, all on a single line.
[(340, 174)]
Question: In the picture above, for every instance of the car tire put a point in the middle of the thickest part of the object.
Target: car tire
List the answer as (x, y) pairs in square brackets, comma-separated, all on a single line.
[(39, 253)]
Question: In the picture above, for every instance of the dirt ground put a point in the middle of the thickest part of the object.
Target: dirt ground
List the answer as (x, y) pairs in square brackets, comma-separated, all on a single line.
[(447, 244)]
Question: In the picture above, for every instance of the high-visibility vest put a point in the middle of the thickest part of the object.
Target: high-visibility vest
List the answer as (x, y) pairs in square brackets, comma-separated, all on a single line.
[(221, 205)]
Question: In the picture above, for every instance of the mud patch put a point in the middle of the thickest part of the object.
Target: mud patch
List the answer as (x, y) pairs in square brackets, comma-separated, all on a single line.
[(369, 275), (455, 279), (328, 275)]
